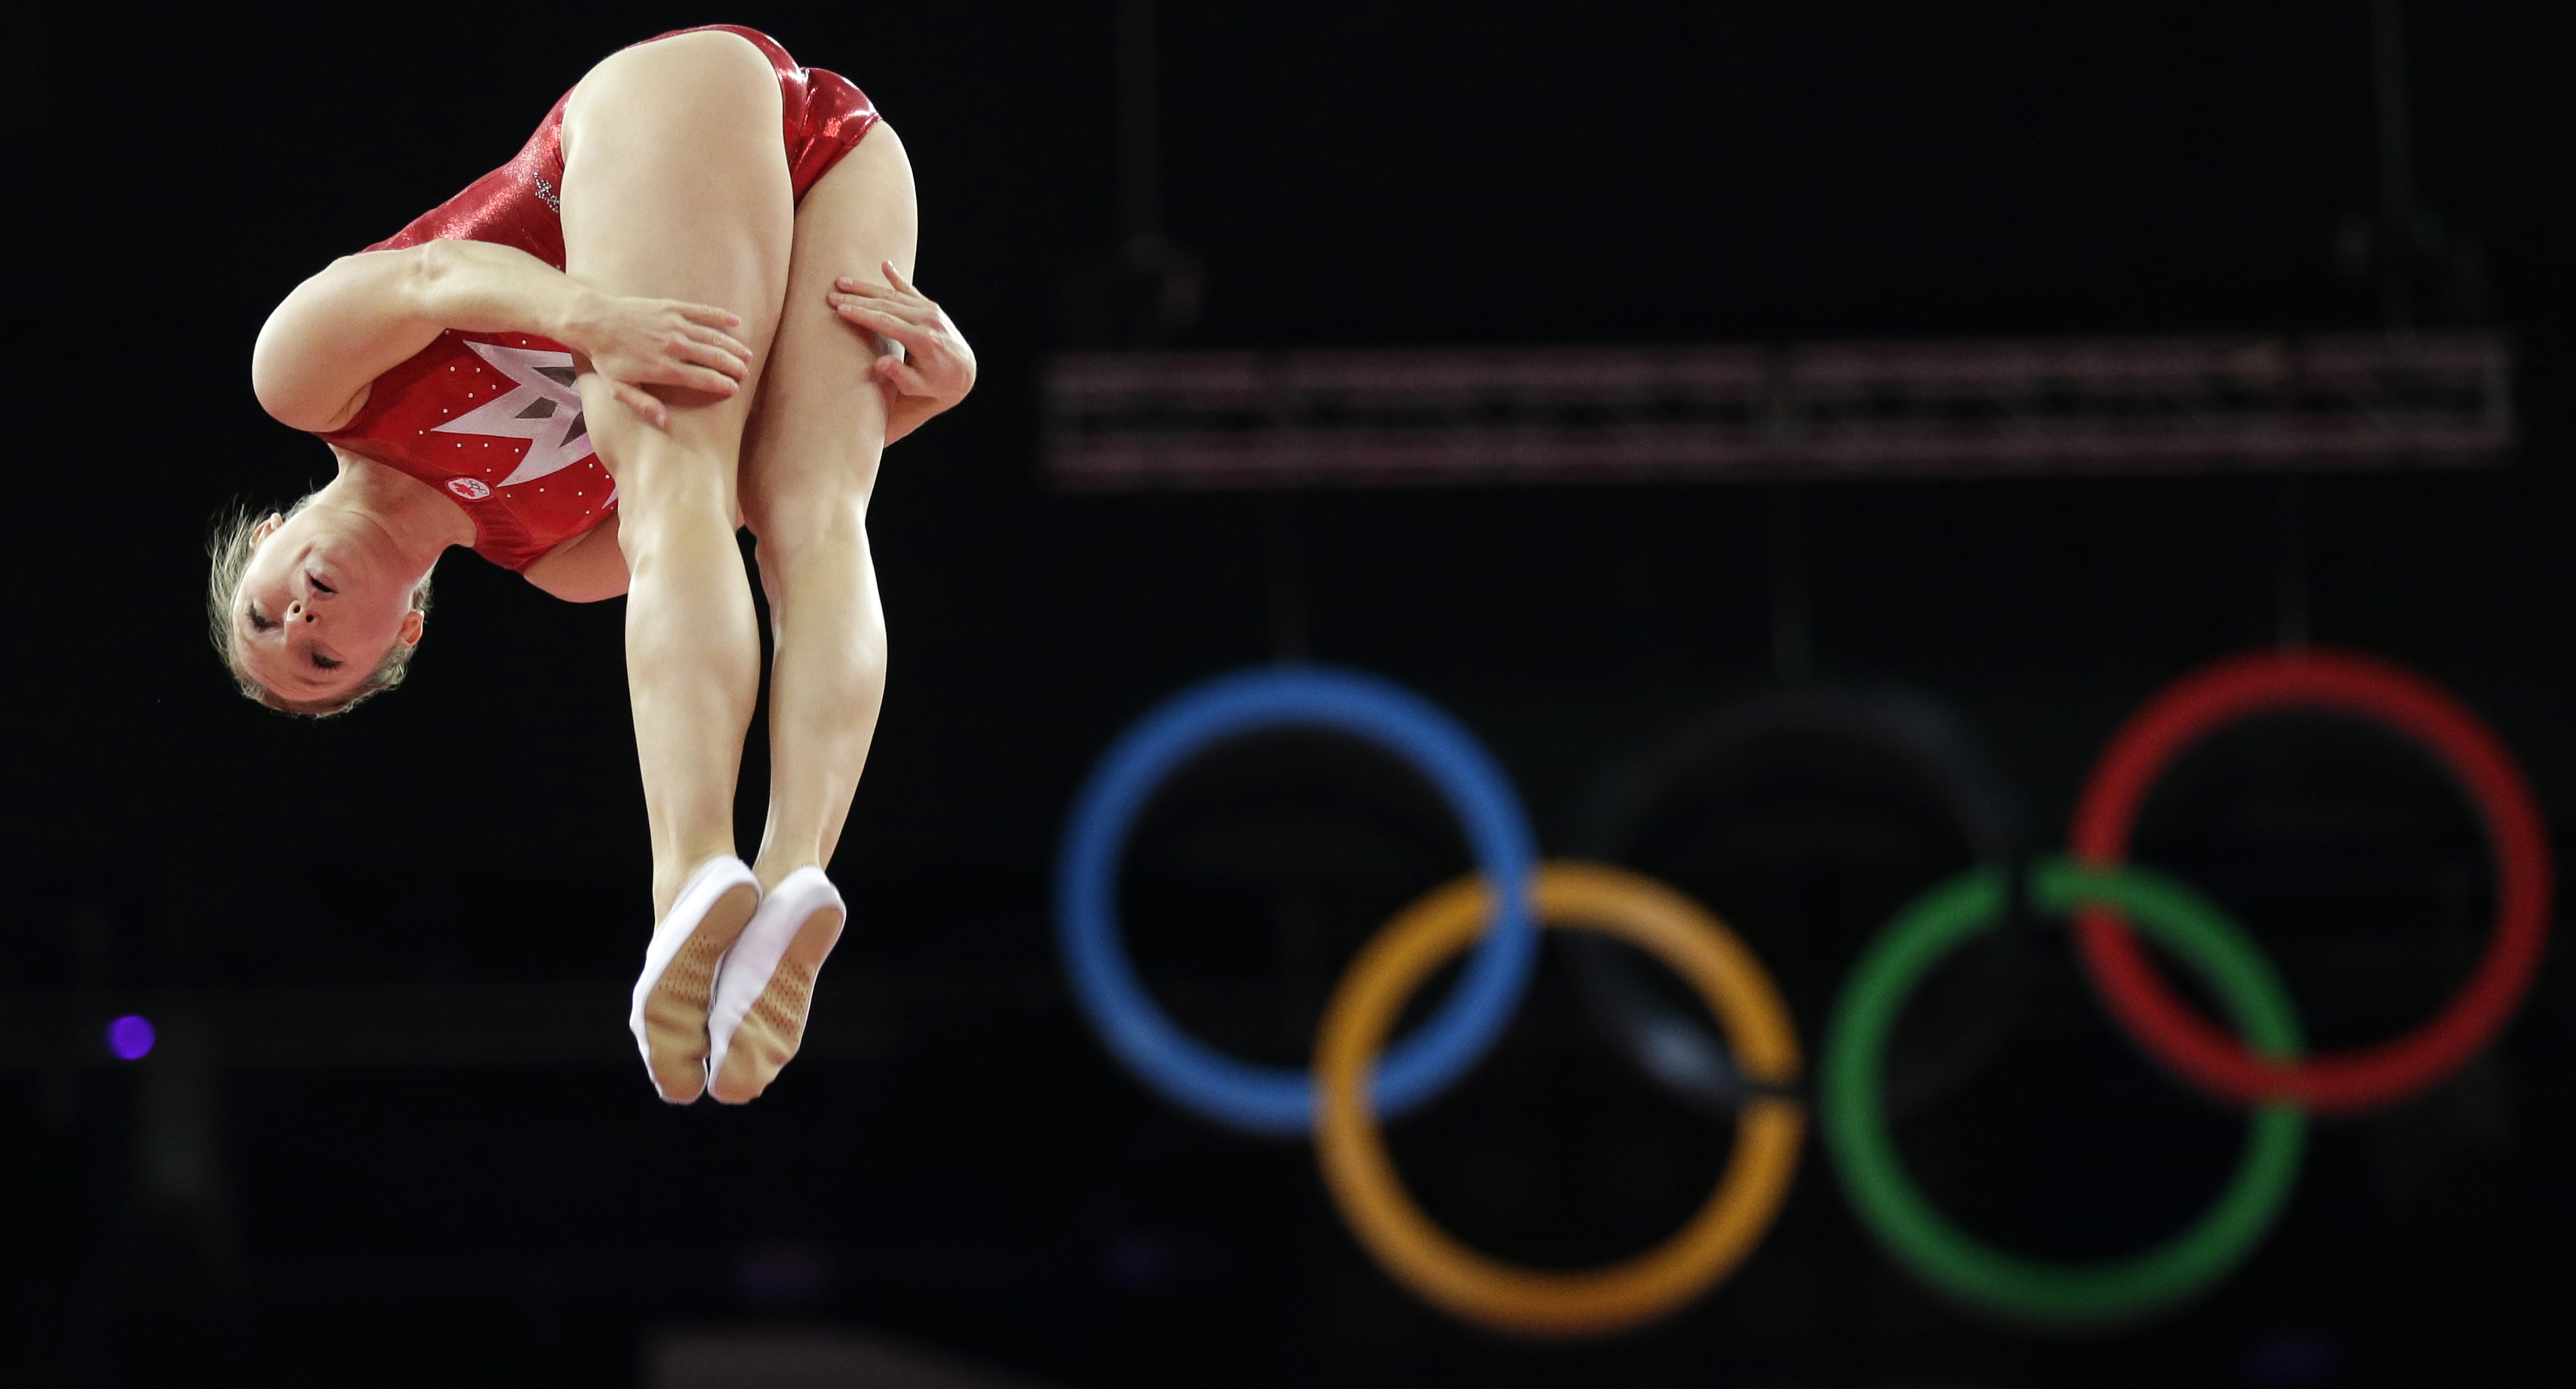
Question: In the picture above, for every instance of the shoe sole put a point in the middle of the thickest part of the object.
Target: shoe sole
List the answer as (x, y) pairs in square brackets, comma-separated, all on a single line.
[(774, 1028), (675, 1012)]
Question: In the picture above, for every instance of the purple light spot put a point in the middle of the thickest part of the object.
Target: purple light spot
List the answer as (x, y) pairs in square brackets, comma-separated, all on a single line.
[(2293, 1357), (130, 1037)]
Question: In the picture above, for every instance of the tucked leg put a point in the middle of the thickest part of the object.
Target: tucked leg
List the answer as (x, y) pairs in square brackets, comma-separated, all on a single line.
[(676, 186), (809, 465), (809, 468)]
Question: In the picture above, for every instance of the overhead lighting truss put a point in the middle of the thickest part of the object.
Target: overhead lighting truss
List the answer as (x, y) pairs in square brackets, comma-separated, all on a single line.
[(2049, 407)]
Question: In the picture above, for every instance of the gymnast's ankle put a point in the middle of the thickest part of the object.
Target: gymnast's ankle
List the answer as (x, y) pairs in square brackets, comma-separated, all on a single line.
[(773, 868)]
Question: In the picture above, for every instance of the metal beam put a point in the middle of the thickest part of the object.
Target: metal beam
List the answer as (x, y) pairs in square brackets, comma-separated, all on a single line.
[(1377, 418)]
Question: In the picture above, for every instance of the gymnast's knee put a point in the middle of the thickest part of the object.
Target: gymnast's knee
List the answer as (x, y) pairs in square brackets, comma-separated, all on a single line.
[(824, 517), (672, 506)]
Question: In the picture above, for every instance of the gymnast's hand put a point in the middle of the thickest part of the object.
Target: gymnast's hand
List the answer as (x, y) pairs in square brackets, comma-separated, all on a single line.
[(936, 367), (636, 343)]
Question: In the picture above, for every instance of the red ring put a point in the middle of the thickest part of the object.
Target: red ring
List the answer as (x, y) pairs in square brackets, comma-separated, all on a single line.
[(2363, 1077)]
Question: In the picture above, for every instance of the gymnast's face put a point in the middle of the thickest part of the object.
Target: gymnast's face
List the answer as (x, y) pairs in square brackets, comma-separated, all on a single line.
[(322, 600)]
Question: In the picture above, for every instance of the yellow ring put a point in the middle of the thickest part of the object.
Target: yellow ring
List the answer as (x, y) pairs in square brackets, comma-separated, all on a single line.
[(1535, 1302)]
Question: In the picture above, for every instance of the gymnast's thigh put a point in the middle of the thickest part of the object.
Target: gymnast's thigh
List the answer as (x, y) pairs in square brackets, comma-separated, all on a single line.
[(819, 423), (676, 187)]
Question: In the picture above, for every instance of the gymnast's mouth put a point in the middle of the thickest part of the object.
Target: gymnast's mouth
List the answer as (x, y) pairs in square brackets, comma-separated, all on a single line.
[(316, 580)]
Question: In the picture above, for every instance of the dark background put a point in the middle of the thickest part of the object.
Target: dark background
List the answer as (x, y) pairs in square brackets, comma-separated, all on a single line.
[(1350, 174)]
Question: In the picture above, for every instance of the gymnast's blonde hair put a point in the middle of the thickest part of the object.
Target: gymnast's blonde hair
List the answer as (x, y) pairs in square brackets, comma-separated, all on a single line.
[(230, 547)]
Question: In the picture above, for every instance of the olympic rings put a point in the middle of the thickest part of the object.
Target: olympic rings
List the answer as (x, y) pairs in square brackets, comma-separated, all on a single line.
[(1269, 1099), (1507, 1297), (2367, 1077), (1948, 1257), (1342, 1100), (1907, 731)]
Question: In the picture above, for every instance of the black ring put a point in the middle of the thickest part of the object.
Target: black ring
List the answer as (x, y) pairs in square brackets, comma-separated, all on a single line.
[(1951, 1030)]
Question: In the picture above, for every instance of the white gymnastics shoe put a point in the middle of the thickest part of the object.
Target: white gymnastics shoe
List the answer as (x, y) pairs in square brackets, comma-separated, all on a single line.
[(669, 1019), (763, 988)]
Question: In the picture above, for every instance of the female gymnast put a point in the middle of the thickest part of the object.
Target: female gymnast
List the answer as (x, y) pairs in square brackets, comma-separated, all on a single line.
[(659, 322)]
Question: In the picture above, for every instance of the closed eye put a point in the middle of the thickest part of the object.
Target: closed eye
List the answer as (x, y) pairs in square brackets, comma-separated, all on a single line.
[(257, 622)]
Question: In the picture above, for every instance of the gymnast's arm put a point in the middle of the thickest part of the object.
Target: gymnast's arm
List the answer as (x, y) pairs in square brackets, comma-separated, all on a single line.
[(363, 314), (924, 364)]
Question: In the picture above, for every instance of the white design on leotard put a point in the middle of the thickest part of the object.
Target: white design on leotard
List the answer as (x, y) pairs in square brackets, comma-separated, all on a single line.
[(544, 409)]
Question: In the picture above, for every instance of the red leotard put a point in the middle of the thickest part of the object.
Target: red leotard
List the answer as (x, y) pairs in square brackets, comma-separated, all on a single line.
[(493, 417)]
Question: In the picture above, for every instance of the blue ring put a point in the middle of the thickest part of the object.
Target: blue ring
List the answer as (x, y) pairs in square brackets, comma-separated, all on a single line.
[(1274, 1099)]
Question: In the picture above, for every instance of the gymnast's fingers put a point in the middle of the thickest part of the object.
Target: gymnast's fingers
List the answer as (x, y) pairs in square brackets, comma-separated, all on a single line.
[(675, 371), (895, 326), (852, 285), (720, 355), (697, 378), (910, 310), (903, 376), (724, 342), (707, 314), (642, 402)]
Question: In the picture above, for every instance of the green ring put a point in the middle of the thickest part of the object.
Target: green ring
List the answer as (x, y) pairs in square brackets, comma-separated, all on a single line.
[(1956, 1262)]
